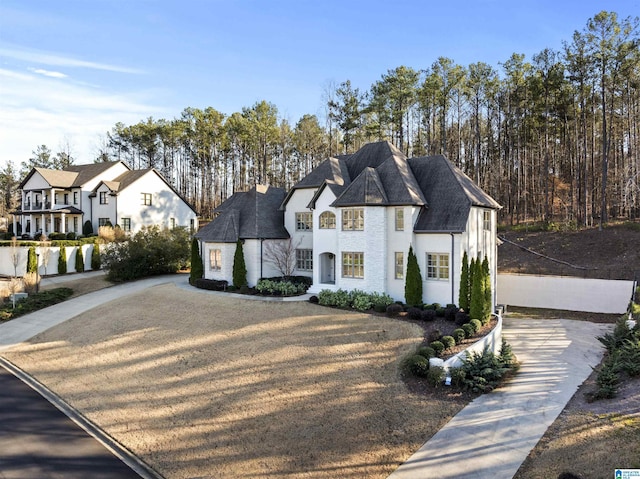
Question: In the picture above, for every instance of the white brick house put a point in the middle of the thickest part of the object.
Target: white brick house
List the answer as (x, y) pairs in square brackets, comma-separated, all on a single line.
[(353, 218), (62, 201)]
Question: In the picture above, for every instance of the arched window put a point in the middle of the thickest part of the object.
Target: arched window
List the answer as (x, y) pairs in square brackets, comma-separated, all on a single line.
[(327, 220)]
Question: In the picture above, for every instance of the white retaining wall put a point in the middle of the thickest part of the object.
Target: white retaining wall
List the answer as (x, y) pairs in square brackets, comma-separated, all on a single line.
[(6, 263), (564, 292), (492, 341)]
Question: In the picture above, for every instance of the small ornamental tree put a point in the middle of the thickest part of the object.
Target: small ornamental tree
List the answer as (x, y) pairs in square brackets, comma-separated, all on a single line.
[(476, 309), (197, 269), (62, 261), (488, 297), (87, 228), (95, 257), (413, 282), (463, 297), (79, 260), (239, 267), (32, 260)]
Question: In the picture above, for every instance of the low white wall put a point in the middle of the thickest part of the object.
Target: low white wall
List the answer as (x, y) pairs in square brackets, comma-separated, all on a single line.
[(6, 263), (564, 292), (492, 341)]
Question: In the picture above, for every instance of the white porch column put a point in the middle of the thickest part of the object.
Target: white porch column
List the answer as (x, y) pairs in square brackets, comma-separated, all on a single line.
[(52, 223), (31, 224), (44, 224), (15, 226), (63, 226)]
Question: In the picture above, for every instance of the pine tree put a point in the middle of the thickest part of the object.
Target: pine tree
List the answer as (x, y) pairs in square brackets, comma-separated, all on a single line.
[(95, 257), (239, 267), (197, 269), (32, 260), (62, 261), (413, 281), (463, 296), (79, 260), (476, 310), (488, 297)]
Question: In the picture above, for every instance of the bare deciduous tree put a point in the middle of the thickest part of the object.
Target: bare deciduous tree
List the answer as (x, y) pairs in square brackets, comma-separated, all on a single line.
[(45, 252), (282, 255), (14, 252)]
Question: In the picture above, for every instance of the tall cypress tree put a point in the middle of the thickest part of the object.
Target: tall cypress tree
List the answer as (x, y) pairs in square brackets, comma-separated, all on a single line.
[(95, 256), (488, 297), (463, 296), (32, 260), (62, 261), (239, 267), (476, 309), (197, 269), (79, 260), (413, 282)]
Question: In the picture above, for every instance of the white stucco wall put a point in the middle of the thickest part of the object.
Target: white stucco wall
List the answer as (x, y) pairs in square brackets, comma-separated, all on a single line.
[(165, 204), (227, 251), (564, 292), (324, 240), (398, 241), (6, 263), (439, 290), (298, 204)]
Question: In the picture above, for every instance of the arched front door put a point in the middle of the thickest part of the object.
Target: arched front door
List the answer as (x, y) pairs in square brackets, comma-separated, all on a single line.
[(328, 268)]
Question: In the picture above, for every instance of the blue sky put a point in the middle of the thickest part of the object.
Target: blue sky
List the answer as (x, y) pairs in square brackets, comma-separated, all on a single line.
[(69, 70)]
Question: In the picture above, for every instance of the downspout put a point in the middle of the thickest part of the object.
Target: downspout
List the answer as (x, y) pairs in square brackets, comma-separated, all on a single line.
[(453, 270), (261, 241)]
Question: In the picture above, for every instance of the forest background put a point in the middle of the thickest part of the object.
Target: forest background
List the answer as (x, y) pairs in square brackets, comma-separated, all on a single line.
[(554, 138)]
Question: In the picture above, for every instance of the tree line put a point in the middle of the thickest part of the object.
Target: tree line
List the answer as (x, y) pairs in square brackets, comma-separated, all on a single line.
[(555, 138)]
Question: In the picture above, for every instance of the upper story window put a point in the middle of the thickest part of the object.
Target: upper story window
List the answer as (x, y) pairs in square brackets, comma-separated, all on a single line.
[(66, 198), (75, 197), (399, 219), (353, 219), (327, 221), (486, 220), (304, 221), (104, 198), (146, 199)]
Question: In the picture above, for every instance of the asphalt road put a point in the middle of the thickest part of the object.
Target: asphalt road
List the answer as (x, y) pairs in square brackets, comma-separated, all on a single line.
[(37, 441)]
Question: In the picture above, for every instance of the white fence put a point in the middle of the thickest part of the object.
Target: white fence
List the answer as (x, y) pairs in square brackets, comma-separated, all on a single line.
[(564, 292), (6, 262)]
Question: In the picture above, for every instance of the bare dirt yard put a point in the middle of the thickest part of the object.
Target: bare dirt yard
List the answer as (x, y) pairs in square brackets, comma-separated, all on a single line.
[(199, 385)]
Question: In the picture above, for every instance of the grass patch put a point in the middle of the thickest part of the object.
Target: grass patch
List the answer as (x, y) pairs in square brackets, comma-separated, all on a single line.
[(34, 302)]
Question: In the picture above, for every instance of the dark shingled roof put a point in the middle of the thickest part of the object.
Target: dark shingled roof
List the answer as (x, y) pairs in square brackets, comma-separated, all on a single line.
[(254, 214), (73, 176), (449, 194), (366, 189)]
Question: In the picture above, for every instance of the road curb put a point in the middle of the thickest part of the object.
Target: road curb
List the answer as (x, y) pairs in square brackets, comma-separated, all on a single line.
[(121, 452)]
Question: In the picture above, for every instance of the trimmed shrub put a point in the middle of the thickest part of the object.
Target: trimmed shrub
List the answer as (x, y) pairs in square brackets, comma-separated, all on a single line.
[(435, 376), (434, 335), (448, 341), (426, 351), (429, 307), (440, 312), (314, 299), (486, 289), (476, 308), (359, 300), (197, 268), (211, 284), (459, 335), (79, 260), (436, 306), (476, 325), (482, 371), (417, 365), (450, 313), (428, 315), (468, 330), (62, 260), (380, 301), (379, 308), (414, 313), (71, 235), (87, 228), (462, 318), (393, 310), (95, 257), (280, 288), (437, 346)]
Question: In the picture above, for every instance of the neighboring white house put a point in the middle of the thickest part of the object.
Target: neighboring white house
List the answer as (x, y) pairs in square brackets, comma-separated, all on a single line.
[(353, 218), (62, 201), (254, 218)]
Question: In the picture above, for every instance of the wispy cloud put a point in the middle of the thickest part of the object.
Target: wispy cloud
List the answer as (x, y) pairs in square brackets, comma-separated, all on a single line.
[(48, 73), (54, 59), (38, 109)]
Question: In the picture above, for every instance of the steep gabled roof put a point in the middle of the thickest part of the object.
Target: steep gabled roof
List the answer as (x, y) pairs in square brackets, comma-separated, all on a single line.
[(366, 189), (254, 214), (370, 155), (87, 172), (449, 194), (58, 178)]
